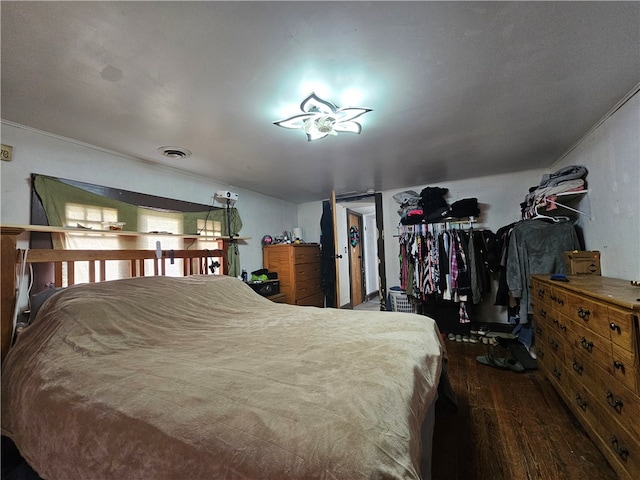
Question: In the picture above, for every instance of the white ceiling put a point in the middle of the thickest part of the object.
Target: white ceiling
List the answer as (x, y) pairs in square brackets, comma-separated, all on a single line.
[(458, 89)]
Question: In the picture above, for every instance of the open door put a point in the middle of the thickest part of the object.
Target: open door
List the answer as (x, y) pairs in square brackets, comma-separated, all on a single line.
[(356, 257)]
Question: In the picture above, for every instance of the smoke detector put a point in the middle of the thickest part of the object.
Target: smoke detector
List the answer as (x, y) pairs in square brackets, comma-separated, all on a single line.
[(175, 153)]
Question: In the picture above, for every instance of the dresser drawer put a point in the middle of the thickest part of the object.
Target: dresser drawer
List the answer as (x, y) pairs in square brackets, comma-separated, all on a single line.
[(541, 311), (620, 368), (621, 327), (555, 346), (594, 346), (589, 314), (622, 404), (307, 271), (306, 254), (624, 367), (556, 372), (315, 300), (305, 288), (558, 299), (540, 293)]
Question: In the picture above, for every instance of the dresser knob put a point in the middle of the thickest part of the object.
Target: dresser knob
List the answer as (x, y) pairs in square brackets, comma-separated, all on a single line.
[(614, 327), (620, 450), (587, 345), (582, 403), (584, 314), (615, 403), (618, 365), (577, 367)]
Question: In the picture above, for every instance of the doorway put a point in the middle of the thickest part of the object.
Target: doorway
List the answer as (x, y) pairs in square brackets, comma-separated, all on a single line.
[(360, 274)]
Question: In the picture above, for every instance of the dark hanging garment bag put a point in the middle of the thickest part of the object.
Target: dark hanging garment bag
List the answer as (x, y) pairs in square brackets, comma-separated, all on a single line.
[(327, 264)]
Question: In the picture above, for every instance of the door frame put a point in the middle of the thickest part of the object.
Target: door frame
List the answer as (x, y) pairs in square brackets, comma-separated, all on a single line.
[(382, 271)]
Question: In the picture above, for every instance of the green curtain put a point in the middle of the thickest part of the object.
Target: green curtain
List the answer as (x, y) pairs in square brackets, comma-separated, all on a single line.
[(55, 195)]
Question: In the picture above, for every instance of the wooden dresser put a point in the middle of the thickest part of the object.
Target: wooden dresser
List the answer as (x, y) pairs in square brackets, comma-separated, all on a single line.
[(298, 268), (588, 345)]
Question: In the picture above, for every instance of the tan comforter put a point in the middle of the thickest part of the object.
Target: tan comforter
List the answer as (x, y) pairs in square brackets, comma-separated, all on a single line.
[(201, 378)]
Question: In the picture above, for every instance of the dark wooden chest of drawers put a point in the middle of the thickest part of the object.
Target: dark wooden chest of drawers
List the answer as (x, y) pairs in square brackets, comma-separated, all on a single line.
[(588, 346)]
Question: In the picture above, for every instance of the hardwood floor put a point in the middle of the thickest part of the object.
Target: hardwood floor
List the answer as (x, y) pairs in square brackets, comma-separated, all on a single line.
[(508, 426)]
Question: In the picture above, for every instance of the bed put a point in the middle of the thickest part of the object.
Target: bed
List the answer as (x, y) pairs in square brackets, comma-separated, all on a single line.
[(199, 377)]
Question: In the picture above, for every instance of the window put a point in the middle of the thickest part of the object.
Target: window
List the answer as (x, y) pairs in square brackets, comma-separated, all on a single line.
[(91, 217), (161, 221), (209, 227)]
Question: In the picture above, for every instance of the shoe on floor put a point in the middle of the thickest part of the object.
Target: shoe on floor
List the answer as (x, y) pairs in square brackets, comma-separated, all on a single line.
[(502, 363), (451, 337)]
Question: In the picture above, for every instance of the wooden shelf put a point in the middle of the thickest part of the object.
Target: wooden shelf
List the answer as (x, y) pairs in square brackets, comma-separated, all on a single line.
[(71, 230)]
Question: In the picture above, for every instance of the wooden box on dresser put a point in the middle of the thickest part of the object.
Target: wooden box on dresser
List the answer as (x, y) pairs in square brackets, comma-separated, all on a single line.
[(588, 345), (298, 269)]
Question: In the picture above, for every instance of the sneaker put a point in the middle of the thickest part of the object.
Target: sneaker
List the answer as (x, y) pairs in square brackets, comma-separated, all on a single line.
[(483, 330), (474, 339), (451, 337)]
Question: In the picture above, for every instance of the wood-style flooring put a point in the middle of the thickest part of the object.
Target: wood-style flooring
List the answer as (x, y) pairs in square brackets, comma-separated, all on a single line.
[(508, 426)]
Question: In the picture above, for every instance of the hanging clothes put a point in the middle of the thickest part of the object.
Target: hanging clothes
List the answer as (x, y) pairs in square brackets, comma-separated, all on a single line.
[(535, 247), (439, 263)]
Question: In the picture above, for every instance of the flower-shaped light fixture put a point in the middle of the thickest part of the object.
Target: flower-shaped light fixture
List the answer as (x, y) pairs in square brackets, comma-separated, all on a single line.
[(321, 118)]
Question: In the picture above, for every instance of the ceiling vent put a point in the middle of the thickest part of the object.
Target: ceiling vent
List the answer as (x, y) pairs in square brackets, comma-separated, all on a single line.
[(175, 153)]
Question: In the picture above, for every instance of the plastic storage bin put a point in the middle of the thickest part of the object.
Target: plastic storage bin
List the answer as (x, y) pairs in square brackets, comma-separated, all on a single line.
[(400, 302)]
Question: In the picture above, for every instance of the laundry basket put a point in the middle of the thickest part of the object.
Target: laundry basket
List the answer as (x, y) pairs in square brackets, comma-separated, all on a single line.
[(400, 302)]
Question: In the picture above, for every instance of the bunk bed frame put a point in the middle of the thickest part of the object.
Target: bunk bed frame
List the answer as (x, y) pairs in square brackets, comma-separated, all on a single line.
[(63, 262)]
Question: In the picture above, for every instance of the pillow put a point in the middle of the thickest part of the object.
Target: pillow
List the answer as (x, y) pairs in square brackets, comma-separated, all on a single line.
[(38, 299)]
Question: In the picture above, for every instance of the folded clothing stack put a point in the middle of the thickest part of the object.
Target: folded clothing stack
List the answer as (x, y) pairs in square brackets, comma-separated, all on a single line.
[(467, 207), (409, 211), (567, 179), (433, 203)]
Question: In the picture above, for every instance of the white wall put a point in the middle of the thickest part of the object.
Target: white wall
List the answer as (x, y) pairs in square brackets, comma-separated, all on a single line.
[(309, 215), (38, 152), (611, 153)]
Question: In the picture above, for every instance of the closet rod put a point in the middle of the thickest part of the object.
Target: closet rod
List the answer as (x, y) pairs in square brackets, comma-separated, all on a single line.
[(425, 226)]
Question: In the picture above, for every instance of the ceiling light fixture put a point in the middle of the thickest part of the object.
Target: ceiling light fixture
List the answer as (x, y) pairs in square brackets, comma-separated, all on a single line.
[(321, 118), (174, 152)]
